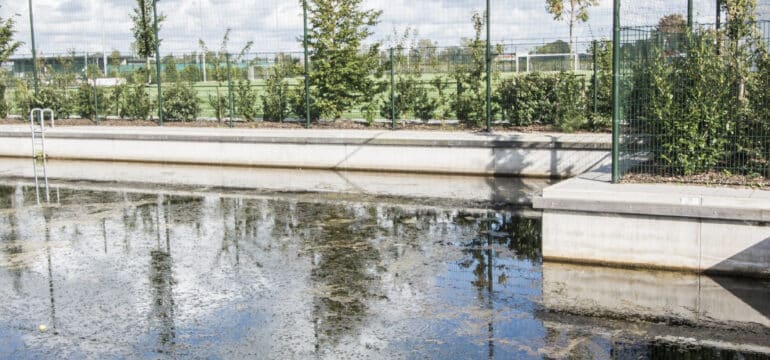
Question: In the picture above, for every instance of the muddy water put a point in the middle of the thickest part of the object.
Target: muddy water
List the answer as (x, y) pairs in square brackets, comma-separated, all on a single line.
[(116, 274)]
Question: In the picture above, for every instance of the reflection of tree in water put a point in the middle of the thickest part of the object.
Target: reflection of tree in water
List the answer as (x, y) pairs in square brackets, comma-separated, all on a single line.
[(162, 307), (161, 274), (9, 242), (519, 235), (345, 274), (6, 197)]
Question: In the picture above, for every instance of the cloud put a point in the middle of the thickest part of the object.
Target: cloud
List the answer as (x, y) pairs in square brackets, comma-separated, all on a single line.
[(96, 25)]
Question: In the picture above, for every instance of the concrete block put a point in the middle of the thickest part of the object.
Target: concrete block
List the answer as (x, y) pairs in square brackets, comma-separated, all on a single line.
[(735, 247), (621, 239)]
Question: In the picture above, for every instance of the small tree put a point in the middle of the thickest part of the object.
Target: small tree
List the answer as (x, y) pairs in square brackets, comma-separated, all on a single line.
[(571, 11), (341, 73), (144, 30), (7, 47)]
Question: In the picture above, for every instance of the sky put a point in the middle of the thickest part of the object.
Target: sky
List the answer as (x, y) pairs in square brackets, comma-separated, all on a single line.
[(104, 25)]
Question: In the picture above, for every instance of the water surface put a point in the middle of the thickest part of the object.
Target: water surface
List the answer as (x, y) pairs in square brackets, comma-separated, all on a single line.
[(119, 272)]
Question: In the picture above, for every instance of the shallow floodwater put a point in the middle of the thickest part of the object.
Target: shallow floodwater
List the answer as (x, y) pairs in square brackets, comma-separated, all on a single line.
[(124, 273)]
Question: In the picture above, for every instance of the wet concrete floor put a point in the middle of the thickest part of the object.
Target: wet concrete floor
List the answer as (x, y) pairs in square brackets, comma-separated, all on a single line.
[(125, 274)]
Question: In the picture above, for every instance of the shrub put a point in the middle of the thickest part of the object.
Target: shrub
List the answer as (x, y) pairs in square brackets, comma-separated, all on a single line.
[(219, 103), (54, 99), (297, 104), (528, 99), (191, 74), (138, 104), (180, 102), (84, 101), (245, 100), (411, 98), (117, 100), (275, 101), (23, 98), (3, 103), (570, 103)]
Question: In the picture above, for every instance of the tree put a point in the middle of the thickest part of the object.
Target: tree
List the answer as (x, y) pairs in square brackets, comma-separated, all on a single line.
[(341, 68), (572, 11), (144, 31), (556, 47), (7, 48), (7, 45)]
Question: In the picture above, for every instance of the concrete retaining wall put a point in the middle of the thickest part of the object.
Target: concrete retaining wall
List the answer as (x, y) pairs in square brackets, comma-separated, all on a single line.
[(419, 152), (699, 229)]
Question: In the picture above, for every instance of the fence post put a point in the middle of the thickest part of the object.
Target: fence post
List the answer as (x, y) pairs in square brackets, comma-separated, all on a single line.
[(690, 15), (96, 96), (157, 62), (719, 15), (616, 92), (516, 54), (229, 88), (596, 78), (34, 51), (307, 65), (392, 90), (489, 69)]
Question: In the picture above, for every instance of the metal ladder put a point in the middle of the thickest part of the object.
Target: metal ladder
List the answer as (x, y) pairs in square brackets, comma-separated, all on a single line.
[(38, 150), (38, 134)]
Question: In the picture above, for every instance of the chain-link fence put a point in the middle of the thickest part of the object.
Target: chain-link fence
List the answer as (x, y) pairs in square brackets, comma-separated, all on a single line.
[(218, 61), (693, 102)]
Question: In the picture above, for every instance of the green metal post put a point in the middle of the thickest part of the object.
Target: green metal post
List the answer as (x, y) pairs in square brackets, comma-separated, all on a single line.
[(392, 90), (157, 63), (596, 77), (307, 65), (96, 96), (229, 88), (616, 92), (34, 50), (690, 15), (489, 69), (719, 14)]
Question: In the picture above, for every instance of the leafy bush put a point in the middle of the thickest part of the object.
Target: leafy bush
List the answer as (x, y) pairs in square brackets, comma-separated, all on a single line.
[(297, 104), (692, 111), (219, 103), (275, 101), (411, 98), (180, 102), (245, 100), (191, 74), (84, 101), (602, 119), (3, 103), (569, 112), (528, 100), (23, 98), (138, 104), (469, 102), (170, 72), (54, 99), (117, 100)]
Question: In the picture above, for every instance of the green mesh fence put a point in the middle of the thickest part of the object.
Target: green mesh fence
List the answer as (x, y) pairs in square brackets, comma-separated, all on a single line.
[(694, 103), (230, 61)]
